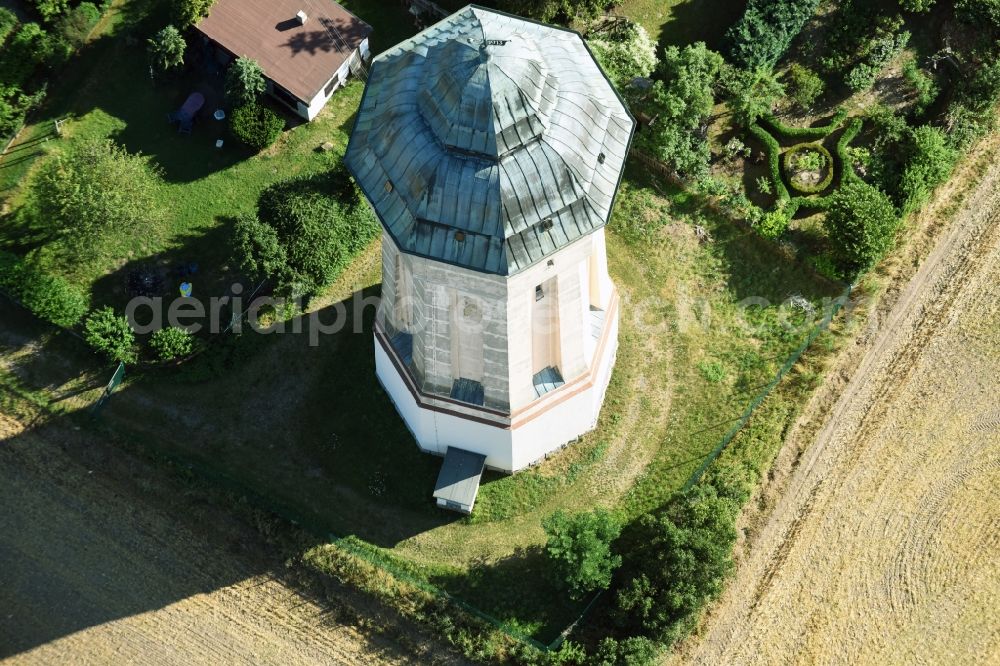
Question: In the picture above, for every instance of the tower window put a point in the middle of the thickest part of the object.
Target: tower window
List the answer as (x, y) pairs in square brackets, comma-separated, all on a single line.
[(539, 294)]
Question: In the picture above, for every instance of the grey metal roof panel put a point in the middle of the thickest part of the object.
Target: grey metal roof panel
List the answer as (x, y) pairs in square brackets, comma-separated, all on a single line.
[(489, 124), (458, 480)]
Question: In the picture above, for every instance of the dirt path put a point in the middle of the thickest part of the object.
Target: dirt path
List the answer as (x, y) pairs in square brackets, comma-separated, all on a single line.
[(98, 568), (884, 546)]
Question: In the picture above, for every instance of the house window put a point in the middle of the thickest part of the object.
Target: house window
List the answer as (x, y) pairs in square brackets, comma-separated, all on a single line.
[(331, 86)]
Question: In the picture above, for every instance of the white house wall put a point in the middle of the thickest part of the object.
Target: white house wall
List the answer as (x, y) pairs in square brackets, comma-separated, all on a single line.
[(311, 110)]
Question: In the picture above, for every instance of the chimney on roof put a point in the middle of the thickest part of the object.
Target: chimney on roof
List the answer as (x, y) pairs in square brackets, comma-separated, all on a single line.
[(301, 16)]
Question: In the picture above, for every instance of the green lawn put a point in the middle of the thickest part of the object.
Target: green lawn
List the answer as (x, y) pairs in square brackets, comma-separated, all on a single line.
[(680, 22)]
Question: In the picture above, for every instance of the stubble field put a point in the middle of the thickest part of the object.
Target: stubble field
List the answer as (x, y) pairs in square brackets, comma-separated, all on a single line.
[(884, 546)]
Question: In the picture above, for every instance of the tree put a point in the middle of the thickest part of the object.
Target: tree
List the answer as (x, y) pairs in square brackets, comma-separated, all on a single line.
[(166, 49), (579, 548), (861, 222), (679, 106), (97, 188), (632, 651), (110, 335), (244, 81), (751, 93), (916, 6), (185, 13), (683, 556), (805, 86), (171, 343), (766, 30), (625, 51), (51, 9)]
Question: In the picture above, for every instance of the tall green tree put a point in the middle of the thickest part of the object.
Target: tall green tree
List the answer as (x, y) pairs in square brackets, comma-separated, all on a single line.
[(166, 49), (559, 11), (681, 561), (185, 13), (579, 549), (625, 51), (678, 107), (766, 30), (97, 188), (751, 93), (245, 81)]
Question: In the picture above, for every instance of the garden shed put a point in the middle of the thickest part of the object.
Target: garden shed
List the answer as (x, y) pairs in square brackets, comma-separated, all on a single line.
[(307, 48), (491, 148)]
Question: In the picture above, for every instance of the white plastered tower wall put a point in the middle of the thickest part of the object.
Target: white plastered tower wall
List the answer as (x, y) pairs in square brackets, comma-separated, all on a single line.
[(520, 427), (491, 148)]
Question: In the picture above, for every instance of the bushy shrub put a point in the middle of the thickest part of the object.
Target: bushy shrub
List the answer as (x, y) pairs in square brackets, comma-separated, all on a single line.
[(166, 49), (880, 53), (633, 651), (256, 126), (47, 296), (76, 25), (923, 84), (766, 30), (929, 162), (579, 549), (681, 559), (861, 222), (625, 51), (171, 343), (316, 224), (94, 189), (110, 335), (804, 86), (258, 251), (245, 82), (774, 222)]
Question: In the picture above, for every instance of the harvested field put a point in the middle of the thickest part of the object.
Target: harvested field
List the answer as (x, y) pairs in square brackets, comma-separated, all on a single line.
[(98, 568), (884, 545)]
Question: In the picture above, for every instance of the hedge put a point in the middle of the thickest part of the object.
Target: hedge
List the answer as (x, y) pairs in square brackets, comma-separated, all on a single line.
[(816, 147), (773, 150), (49, 297), (807, 132), (256, 126), (847, 173)]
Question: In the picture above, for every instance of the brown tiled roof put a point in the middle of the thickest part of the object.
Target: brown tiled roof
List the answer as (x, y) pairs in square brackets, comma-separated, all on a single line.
[(299, 58)]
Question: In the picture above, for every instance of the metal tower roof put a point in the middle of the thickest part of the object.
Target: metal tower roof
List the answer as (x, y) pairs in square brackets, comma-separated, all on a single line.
[(489, 141)]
